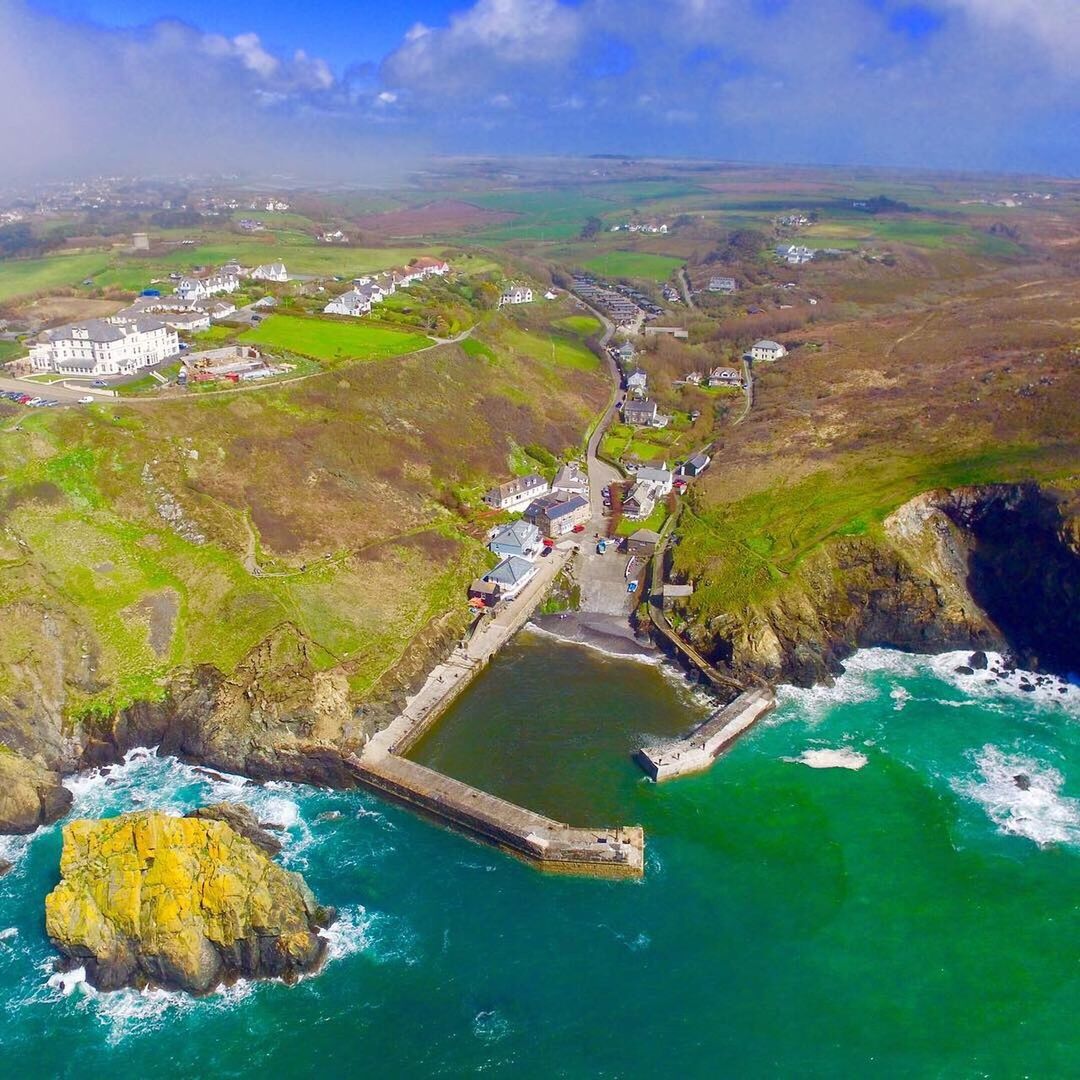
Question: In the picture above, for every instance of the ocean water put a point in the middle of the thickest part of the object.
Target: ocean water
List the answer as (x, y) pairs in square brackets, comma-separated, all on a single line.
[(861, 887)]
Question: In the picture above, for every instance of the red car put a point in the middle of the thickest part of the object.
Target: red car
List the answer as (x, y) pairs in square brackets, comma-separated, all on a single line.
[(578, 529)]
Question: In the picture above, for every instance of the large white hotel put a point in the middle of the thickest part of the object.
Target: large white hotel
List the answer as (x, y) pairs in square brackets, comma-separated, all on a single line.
[(118, 345)]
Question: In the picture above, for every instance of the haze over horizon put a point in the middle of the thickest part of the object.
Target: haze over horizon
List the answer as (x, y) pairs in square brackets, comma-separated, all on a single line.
[(365, 92)]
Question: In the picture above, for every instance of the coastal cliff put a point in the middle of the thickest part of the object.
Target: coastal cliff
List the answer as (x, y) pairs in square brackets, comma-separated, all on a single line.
[(180, 903), (990, 567)]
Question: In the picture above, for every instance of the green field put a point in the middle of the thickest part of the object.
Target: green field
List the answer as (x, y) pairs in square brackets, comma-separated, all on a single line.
[(633, 264), (23, 277), (558, 349), (330, 340), (583, 325)]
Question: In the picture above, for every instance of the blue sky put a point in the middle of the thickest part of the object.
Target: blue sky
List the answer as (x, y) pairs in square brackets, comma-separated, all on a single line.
[(965, 84), (341, 33)]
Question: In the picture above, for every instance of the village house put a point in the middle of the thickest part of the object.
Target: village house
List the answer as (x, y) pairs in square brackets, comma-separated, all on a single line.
[(638, 383), (520, 538), (625, 353), (693, 378), (516, 494), (118, 345), (335, 237), (795, 254), (516, 294), (487, 592), (640, 413), (722, 285), (767, 350), (639, 502), (643, 542), (571, 480), (696, 465), (270, 272), (558, 513), (431, 267), (677, 332), (660, 479), (511, 575), (193, 288), (724, 377), (352, 303), (190, 322)]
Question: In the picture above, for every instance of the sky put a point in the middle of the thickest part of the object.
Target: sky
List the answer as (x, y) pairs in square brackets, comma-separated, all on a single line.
[(364, 91)]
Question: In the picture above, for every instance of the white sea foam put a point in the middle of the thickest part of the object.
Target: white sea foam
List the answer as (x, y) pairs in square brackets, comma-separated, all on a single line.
[(995, 681), (1022, 796), (490, 1026), (900, 698), (840, 758), (9, 934)]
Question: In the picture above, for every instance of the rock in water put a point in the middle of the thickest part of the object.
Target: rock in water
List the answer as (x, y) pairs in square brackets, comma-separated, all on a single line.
[(30, 795), (181, 903)]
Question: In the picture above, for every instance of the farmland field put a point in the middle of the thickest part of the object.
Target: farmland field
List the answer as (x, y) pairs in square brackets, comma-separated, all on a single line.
[(328, 340), (633, 264), (21, 277)]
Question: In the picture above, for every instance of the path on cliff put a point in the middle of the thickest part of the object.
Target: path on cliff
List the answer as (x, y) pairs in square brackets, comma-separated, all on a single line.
[(686, 290), (748, 390)]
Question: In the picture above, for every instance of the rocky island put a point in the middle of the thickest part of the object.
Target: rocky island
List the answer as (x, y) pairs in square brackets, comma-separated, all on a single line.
[(182, 903)]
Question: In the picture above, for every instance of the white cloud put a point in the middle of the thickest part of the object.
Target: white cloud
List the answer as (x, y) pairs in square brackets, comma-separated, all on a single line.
[(169, 97), (1054, 24)]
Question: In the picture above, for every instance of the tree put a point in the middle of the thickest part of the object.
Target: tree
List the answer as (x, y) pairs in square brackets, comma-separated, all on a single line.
[(592, 226)]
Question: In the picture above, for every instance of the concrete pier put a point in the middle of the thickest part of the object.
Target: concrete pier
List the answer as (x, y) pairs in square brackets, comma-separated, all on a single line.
[(704, 744), (540, 840)]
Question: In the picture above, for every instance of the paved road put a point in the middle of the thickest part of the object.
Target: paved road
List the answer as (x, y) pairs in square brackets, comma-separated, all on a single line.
[(53, 390), (687, 292), (603, 586)]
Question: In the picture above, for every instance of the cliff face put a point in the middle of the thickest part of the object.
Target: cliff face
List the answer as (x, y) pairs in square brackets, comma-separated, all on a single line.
[(990, 567), (30, 795), (182, 903)]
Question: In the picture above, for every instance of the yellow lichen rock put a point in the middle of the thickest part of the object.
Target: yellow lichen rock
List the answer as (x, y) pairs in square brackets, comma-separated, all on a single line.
[(185, 903)]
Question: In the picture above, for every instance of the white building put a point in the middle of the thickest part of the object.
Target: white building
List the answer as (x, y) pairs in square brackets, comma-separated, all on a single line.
[(118, 345), (571, 479), (517, 494), (660, 480), (270, 272), (767, 350), (516, 294), (354, 303), (192, 288), (794, 254)]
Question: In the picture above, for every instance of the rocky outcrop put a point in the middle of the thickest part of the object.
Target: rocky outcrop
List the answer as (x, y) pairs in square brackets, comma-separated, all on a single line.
[(181, 903), (994, 567), (241, 820), (30, 795)]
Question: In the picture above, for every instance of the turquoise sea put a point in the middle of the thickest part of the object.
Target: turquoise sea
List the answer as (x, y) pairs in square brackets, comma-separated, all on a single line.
[(862, 887)]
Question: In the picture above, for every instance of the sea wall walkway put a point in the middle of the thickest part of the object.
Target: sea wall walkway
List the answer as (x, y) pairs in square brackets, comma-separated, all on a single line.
[(704, 744)]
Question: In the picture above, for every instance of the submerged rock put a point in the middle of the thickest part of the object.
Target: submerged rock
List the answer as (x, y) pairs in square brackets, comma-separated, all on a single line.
[(5, 866), (181, 903), (30, 795)]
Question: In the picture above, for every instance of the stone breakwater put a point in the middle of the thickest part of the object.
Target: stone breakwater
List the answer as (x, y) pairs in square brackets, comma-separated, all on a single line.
[(548, 844), (705, 743)]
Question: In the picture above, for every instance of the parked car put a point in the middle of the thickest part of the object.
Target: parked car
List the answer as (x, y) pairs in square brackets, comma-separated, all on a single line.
[(578, 529), (545, 552), (99, 383), (87, 400), (632, 587)]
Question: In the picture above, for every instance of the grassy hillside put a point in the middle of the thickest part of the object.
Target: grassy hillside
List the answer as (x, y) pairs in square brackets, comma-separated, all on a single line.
[(166, 534)]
